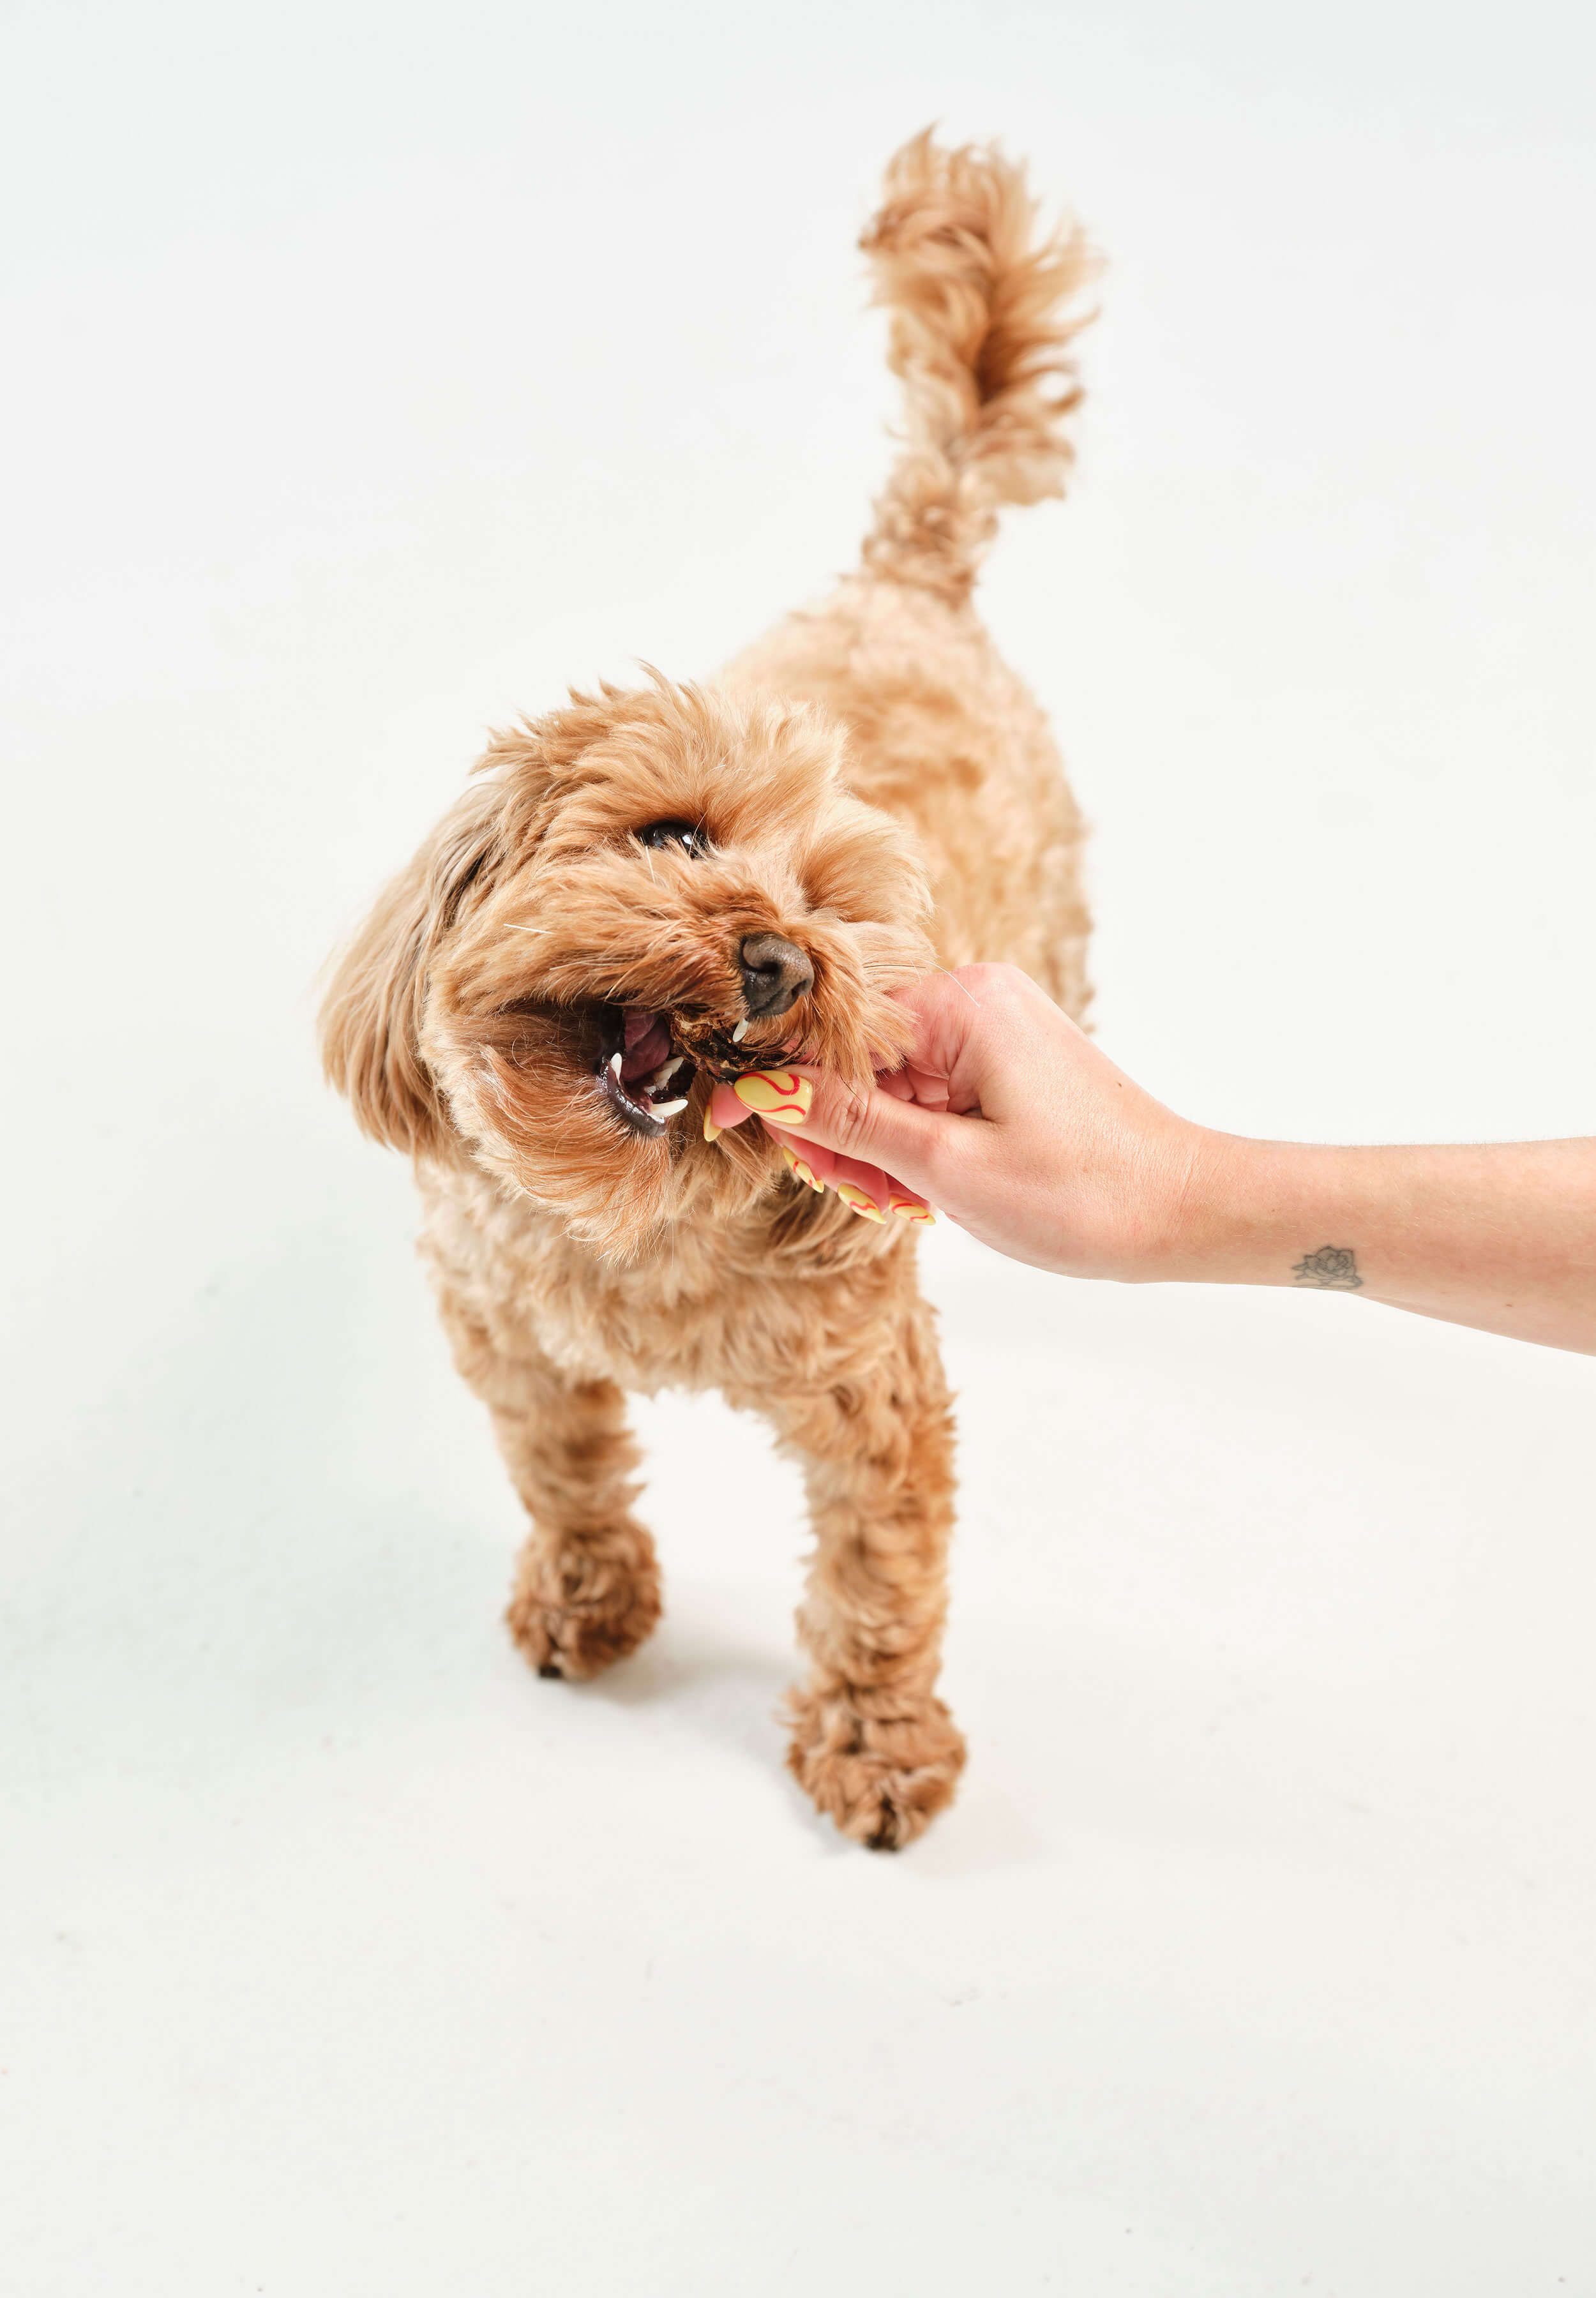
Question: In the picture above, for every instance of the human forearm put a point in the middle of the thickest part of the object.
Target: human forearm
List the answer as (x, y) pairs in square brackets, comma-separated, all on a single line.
[(1018, 1128), (1501, 1237)]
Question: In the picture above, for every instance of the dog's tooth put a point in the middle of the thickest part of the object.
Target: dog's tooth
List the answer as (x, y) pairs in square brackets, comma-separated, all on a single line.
[(615, 1067), (665, 1073), (739, 1033), (668, 1108)]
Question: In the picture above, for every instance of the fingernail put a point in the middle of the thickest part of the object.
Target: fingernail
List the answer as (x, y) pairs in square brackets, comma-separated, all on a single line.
[(798, 1167), (910, 1208), (780, 1096), (858, 1202), (711, 1132)]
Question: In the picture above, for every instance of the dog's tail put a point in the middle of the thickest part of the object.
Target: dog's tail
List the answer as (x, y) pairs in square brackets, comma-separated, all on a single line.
[(982, 346)]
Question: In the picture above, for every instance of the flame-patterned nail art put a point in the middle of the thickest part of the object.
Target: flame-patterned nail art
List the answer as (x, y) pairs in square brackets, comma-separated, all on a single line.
[(858, 1200), (711, 1132), (780, 1096), (910, 1208), (799, 1167)]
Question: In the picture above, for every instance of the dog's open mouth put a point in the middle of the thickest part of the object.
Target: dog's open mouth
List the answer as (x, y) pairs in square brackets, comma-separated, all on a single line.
[(642, 1072), (648, 1062)]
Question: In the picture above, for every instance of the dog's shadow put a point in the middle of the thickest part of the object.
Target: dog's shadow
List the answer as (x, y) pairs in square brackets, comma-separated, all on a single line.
[(732, 1692), (725, 1688)]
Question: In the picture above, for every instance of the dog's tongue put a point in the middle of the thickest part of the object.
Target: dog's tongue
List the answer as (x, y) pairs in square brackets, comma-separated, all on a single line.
[(648, 1043)]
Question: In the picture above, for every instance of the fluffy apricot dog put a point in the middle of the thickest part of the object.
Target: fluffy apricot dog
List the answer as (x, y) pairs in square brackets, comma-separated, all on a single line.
[(653, 891)]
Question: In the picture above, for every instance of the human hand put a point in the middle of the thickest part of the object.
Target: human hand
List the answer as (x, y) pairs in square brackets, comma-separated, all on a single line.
[(1008, 1118), (1014, 1123)]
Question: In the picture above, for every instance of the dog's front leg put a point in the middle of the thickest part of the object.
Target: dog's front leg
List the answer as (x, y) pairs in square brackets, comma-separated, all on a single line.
[(872, 1743), (587, 1585)]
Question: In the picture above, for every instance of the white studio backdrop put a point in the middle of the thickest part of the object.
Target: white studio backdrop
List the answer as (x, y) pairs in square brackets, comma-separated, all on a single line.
[(372, 375)]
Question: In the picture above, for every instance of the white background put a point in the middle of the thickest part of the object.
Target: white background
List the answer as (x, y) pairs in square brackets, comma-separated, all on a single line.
[(372, 373)]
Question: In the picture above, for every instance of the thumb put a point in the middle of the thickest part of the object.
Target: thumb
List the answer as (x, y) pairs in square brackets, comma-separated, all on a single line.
[(874, 1129)]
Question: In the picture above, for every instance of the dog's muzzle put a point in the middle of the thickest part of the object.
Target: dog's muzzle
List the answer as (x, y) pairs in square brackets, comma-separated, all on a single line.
[(649, 1060)]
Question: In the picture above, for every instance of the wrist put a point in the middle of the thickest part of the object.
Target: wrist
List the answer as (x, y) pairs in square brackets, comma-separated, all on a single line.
[(1256, 1209), (1226, 1208)]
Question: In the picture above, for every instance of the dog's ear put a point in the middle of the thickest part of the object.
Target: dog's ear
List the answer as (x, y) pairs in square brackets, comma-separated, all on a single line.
[(371, 1014)]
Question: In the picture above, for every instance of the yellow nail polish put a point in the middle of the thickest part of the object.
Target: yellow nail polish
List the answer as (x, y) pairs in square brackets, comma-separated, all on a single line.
[(798, 1167), (858, 1200), (910, 1208), (780, 1096), (712, 1132)]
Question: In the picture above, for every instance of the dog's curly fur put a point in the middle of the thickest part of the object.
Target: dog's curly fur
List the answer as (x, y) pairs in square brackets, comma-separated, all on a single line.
[(872, 785)]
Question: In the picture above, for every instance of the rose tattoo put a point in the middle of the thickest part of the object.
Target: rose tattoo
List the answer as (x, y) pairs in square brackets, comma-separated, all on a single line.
[(1333, 1268)]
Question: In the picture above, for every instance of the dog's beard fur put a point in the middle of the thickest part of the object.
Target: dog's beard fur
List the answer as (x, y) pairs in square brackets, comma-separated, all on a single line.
[(478, 1013)]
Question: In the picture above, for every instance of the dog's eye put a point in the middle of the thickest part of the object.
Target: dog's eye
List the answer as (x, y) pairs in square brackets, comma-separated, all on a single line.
[(685, 834)]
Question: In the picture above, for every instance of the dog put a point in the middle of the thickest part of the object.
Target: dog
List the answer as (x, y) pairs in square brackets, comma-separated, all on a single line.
[(656, 887)]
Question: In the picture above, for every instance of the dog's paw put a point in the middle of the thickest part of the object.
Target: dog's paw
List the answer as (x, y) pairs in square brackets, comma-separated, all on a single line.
[(579, 1638), (883, 1779)]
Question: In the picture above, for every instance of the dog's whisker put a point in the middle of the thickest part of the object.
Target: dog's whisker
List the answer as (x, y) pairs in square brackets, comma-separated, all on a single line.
[(959, 986)]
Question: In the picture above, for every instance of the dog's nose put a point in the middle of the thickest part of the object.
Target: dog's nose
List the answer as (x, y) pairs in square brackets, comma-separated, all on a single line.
[(775, 974)]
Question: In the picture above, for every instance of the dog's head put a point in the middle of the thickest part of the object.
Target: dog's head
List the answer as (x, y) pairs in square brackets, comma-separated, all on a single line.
[(642, 893)]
